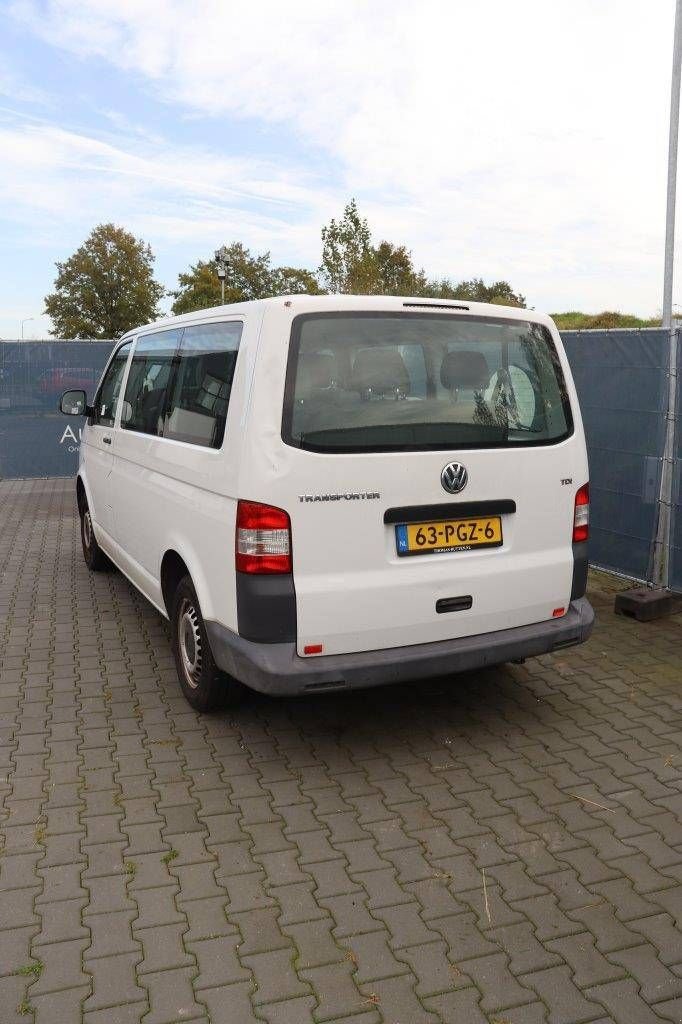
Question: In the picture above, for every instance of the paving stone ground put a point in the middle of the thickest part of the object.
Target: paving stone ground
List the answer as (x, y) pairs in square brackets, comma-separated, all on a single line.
[(504, 846)]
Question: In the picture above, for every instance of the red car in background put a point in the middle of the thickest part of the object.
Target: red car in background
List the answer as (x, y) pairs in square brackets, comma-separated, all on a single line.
[(51, 383)]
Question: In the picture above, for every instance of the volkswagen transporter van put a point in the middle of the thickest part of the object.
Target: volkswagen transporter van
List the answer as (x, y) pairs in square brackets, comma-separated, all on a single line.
[(324, 492)]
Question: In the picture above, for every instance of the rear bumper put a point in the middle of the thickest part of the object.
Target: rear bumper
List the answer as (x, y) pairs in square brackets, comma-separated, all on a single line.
[(277, 669)]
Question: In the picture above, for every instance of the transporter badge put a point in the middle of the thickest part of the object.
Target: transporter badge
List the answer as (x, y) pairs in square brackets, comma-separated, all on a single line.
[(349, 496)]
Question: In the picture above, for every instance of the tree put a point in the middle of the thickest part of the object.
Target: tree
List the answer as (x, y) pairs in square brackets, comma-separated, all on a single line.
[(199, 288), (106, 287), (394, 272), (294, 281), (575, 321), (500, 293), (352, 264), (247, 277), (348, 259)]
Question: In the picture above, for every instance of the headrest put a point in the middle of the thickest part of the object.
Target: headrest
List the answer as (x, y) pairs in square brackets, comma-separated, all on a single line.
[(382, 369), (217, 365), (465, 369), (314, 372)]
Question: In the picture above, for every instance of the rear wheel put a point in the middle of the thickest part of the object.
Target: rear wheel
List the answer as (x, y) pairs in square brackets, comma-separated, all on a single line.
[(95, 559), (204, 685)]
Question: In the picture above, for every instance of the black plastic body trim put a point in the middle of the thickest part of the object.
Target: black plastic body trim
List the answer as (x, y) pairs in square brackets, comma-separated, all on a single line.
[(277, 668), (454, 604), (266, 608), (434, 305), (580, 566), (451, 510)]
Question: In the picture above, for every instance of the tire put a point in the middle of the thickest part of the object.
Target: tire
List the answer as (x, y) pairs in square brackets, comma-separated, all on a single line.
[(95, 559), (205, 687)]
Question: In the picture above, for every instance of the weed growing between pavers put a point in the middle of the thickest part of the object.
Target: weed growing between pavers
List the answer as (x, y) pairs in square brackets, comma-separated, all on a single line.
[(34, 969)]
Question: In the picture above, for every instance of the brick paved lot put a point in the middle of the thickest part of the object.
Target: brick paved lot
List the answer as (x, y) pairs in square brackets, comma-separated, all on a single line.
[(503, 847)]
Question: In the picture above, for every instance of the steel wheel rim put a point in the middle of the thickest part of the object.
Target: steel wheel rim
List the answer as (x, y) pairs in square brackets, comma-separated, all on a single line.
[(87, 529), (189, 640)]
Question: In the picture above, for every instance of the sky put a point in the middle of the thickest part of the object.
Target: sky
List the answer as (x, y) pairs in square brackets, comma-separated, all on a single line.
[(523, 141)]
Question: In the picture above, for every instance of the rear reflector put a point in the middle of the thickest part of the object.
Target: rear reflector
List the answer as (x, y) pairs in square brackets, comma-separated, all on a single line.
[(558, 612), (581, 515), (312, 649), (263, 539)]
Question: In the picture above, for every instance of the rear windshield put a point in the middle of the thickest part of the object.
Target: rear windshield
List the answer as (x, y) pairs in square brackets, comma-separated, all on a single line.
[(402, 382)]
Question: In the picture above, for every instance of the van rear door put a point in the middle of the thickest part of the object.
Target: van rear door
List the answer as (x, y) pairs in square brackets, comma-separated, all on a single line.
[(433, 466)]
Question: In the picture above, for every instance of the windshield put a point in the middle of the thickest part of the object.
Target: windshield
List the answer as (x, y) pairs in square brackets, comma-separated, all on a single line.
[(404, 381)]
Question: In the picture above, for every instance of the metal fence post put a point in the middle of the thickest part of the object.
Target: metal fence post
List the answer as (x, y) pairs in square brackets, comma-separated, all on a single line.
[(663, 540), (661, 559)]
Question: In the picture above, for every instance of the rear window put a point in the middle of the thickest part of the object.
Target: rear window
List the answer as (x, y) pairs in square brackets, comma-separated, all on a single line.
[(403, 382)]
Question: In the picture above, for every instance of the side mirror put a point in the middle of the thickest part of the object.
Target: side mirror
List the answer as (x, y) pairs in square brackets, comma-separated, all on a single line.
[(74, 403)]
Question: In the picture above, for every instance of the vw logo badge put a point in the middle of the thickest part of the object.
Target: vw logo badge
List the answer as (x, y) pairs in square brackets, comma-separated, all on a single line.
[(454, 477)]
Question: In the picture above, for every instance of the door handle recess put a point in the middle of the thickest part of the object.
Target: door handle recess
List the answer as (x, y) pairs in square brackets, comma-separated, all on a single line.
[(107, 440)]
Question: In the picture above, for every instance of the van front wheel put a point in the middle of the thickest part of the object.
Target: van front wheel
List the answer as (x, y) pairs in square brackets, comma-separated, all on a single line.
[(205, 687), (95, 559)]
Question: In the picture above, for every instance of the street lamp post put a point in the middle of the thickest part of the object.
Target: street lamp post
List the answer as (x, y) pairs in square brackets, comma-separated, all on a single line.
[(25, 321), (222, 258), (672, 169)]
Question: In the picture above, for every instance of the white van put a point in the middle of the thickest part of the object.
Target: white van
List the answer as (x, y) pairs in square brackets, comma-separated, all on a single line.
[(325, 492)]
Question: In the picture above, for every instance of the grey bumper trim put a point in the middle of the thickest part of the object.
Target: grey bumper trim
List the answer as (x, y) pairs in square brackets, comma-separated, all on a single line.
[(277, 669)]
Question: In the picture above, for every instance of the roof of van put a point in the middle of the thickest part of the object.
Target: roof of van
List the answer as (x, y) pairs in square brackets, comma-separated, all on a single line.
[(329, 303)]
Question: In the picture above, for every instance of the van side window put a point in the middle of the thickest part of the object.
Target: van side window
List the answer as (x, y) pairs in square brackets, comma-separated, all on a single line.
[(150, 372), (107, 396), (201, 386)]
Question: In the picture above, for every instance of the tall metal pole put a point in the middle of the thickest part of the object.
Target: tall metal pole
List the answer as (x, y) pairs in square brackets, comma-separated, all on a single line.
[(222, 257), (672, 169), (661, 560)]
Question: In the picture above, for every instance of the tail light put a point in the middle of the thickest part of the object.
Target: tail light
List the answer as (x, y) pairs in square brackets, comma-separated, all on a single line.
[(581, 515), (263, 539)]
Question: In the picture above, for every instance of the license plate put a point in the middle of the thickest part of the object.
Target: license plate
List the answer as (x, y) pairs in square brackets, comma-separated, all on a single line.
[(449, 535)]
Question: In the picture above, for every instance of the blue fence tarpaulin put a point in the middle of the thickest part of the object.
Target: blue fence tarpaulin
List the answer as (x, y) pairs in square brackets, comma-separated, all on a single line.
[(35, 439), (622, 380), (676, 510)]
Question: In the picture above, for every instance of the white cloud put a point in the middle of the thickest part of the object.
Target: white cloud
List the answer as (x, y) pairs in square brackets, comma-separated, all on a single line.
[(525, 141), (14, 87), (56, 184), (66, 175)]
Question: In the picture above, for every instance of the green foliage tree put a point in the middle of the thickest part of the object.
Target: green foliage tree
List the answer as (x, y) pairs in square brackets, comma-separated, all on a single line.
[(348, 259), (608, 319), (499, 292), (199, 288), (106, 287), (247, 277), (294, 281), (352, 264), (394, 272)]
